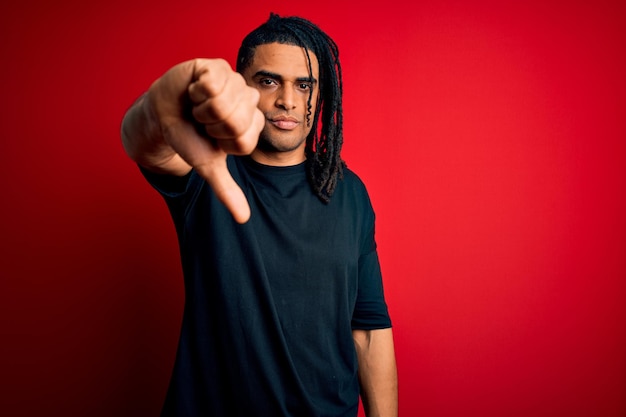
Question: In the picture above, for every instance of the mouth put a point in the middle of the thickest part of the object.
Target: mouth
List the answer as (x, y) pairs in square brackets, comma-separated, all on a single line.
[(284, 122)]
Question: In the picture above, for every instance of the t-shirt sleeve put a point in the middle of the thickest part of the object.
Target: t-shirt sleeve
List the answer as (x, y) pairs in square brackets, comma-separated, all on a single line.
[(179, 192), (169, 186), (371, 310)]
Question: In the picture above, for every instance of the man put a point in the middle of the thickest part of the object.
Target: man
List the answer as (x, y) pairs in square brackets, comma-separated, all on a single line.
[(284, 308)]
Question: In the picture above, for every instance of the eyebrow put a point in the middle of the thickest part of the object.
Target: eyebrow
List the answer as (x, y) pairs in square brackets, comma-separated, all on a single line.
[(279, 77)]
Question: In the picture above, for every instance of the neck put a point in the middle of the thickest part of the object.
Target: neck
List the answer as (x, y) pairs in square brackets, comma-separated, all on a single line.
[(279, 159)]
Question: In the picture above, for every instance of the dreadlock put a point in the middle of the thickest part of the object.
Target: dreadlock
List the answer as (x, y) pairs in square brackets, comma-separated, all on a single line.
[(323, 145)]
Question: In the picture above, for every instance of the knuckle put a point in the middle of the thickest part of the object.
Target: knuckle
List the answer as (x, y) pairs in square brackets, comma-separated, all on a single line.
[(211, 84), (235, 126), (212, 111), (246, 145)]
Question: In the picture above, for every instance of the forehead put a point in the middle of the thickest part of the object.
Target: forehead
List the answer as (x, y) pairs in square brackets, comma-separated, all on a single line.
[(286, 60)]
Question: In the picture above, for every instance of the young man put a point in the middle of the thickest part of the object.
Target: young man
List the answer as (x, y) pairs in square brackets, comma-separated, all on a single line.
[(284, 309)]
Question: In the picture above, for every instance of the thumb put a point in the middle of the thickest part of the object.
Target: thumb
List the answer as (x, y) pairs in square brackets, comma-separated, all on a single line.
[(210, 163), (226, 189)]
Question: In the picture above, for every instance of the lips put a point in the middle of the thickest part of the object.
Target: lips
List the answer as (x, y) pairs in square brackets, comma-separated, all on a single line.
[(284, 122)]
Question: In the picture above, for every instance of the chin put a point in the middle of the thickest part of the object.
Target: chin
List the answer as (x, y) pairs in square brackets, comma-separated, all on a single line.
[(273, 143)]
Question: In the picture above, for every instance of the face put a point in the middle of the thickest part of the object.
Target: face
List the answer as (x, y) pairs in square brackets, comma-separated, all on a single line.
[(281, 74)]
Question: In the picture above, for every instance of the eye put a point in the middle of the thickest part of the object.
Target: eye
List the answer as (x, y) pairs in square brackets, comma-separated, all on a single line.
[(266, 82)]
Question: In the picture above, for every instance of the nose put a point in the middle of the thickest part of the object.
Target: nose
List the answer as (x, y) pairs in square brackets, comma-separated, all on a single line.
[(286, 98)]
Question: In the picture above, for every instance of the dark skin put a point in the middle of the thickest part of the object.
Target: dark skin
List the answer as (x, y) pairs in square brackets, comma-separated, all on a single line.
[(158, 134), (269, 101), (263, 114)]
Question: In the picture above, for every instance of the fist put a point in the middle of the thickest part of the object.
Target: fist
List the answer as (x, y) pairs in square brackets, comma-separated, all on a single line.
[(225, 106), (206, 111)]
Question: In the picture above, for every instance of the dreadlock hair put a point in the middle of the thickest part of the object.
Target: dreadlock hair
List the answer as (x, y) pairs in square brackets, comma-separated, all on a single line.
[(323, 144)]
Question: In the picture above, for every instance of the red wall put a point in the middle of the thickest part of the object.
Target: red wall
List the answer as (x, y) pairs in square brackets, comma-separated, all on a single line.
[(493, 142)]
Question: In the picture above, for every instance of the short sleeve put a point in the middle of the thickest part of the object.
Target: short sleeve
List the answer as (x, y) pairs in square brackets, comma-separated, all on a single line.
[(371, 310), (169, 186), (179, 193)]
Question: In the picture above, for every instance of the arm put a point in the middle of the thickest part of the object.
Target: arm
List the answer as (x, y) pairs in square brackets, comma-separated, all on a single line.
[(192, 117), (377, 372), (144, 143)]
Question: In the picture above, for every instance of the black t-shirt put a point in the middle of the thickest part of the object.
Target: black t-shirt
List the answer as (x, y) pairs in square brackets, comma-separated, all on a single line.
[(270, 305)]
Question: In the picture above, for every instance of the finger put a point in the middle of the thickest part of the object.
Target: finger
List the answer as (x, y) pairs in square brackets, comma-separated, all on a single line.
[(209, 79), (219, 107), (226, 189), (247, 141), (238, 121), (185, 140), (210, 163), (207, 86)]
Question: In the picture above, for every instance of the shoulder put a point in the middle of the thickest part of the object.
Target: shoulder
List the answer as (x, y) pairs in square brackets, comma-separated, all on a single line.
[(353, 182), (351, 190)]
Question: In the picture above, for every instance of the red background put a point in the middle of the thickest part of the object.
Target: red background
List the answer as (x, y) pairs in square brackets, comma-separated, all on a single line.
[(492, 139)]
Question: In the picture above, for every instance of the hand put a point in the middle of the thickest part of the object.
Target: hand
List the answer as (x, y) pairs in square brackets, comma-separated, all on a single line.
[(206, 111)]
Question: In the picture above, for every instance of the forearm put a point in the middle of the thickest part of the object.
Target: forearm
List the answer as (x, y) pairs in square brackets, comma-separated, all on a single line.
[(377, 372)]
